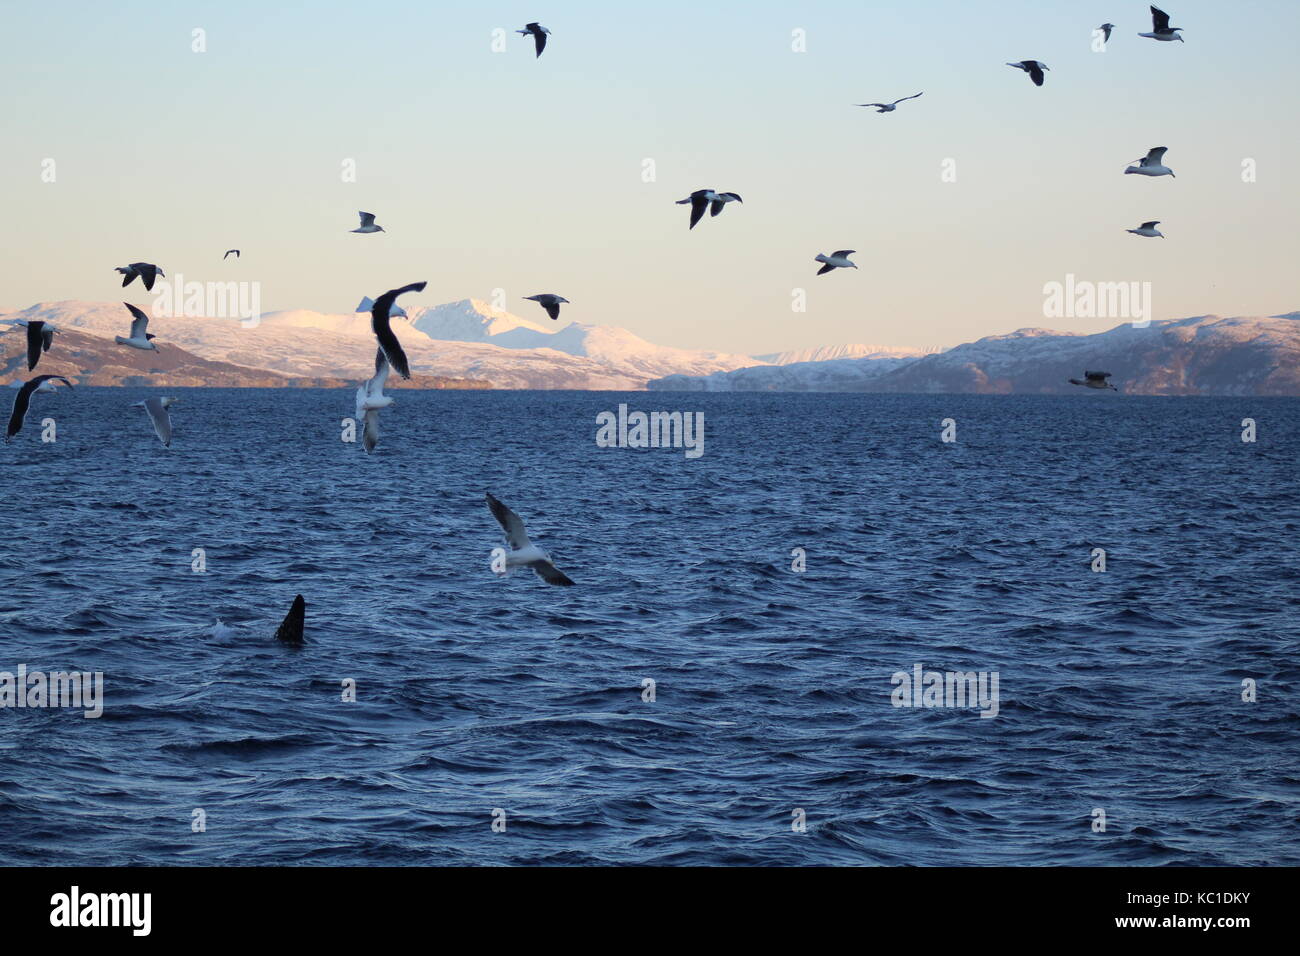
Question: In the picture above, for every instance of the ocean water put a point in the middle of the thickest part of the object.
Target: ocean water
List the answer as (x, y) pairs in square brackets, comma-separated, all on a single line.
[(1119, 691)]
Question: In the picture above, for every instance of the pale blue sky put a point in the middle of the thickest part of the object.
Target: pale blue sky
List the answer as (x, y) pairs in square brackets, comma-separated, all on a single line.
[(496, 170)]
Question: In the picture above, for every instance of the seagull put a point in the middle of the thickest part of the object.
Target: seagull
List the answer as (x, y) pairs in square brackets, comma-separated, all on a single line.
[(1147, 229), (147, 272), (1094, 380), (140, 339), (24, 399), (539, 34), (368, 223), (1160, 28), (522, 551), (889, 107), (40, 336), (1033, 68), (702, 199), (162, 421), (370, 399), (380, 314), (1105, 28), (290, 629), (228, 252), (1152, 164), (836, 260), (548, 301), (396, 312)]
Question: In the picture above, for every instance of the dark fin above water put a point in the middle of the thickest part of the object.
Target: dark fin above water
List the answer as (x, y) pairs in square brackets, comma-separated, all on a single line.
[(290, 631)]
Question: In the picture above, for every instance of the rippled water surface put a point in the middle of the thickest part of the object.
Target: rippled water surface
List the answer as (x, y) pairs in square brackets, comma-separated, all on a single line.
[(1119, 690)]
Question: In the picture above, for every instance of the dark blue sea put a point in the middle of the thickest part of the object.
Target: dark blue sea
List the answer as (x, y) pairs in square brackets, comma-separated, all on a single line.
[(1120, 691)]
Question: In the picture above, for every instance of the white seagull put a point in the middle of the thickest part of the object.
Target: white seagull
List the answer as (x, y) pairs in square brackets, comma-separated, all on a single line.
[(23, 400), (1094, 380), (147, 272), (162, 421), (380, 315), (523, 553), (40, 336), (1148, 229), (396, 312), (1033, 68), (548, 301), (836, 260), (703, 199), (1160, 28), (370, 399), (368, 223), (1152, 164), (539, 34), (889, 107), (139, 339)]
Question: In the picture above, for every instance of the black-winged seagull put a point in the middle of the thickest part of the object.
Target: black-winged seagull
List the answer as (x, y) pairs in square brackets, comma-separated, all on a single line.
[(368, 223), (228, 252), (1033, 68), (1160, 28), (380, 314), (1094, 380), (523, 553), (162, 421), (890, 107), (836, 260), (40, 336), (548, 301), (539, 34), (703, 199), (23, 400), (1152, 164), (140, 338), (370, 399), (147, 271), (1148, 229)]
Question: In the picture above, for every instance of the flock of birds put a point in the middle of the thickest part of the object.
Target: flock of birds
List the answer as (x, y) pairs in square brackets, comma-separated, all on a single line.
[(389, 355)]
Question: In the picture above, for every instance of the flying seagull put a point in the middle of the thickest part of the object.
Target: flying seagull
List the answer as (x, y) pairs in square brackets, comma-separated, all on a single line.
[(140, 339), (1152, 164), (836, 260), (539, 34), (522, 551), (24, 399), (380, 314), (147, 271), (1094, 380), (162, 421), (228, 252), (889, 107), (1105, 28), (548, 301), (290, 629), (396, 312), (368, 223), (703, 199), (1147, 229), (370, 399), (40, 336), (1160, 28), (1033, 68)]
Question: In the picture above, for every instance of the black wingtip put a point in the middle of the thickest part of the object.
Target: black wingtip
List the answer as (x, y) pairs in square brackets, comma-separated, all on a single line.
[(290, 630)]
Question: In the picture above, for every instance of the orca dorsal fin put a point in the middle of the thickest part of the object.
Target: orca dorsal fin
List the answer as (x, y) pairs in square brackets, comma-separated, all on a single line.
[(290, 630)]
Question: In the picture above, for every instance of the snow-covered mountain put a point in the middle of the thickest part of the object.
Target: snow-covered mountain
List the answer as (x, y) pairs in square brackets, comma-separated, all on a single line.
[(828, 353), (1203, 355), (459, 340)]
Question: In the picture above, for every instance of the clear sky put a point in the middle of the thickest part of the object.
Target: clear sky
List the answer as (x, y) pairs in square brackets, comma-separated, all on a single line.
[(497, 170)]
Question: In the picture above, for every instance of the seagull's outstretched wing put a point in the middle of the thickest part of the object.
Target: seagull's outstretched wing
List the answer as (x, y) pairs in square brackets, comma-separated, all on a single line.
[(23, 400), (551, 574), (1036, 74), (552, 309), (1149, 225), (228, 252), (841, 253), (148, 273), (510, 523), (825, 269), (128, 276), (699, 203), (379, 322), (162, 422), (367, 219), (906, 98), (370, 434), (1156, 157), (539, 36), (139, 323), (872, 104), (34, 339), (1096, 376), (1160, 20)]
